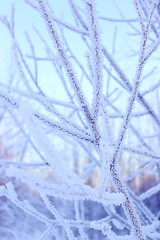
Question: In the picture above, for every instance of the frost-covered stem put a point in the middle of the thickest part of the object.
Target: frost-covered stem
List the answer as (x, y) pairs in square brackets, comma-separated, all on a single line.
[(131, 214), (49, 107), (24, 205), (74, 57), (155, 3), (50, 228), (17, 51), (96, 50), (127, 119), (118, 70), (58, 126), (136, 133), (136, 227), (145, 7), (150, 192), (9, 101), (128, 85), (69, 70), (123, 17), (16, 45), (64, 223), (140, 170), (149, 216), (66, 62), (58, 68), (77, 15), (34, 58), (48, 122), (132, 98), (140, 15), (139, 151), (20, 164), (154, 48), (118, 20), (68, 25), (45, 99)]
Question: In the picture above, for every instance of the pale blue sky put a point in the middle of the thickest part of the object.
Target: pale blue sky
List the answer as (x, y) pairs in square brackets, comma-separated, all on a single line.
[(26, 17), (125, 46)]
